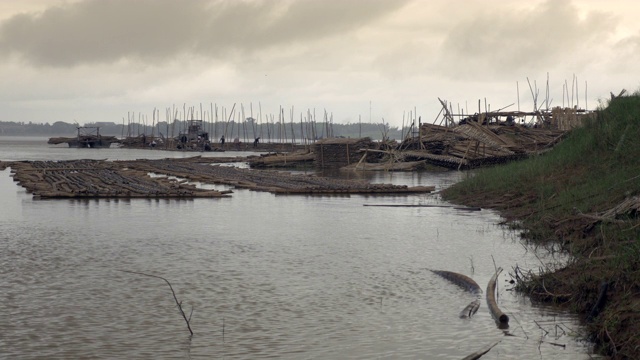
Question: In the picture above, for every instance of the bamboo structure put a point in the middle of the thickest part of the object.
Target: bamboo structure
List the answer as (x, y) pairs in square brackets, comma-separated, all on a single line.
[(339, 152), (473, 145)]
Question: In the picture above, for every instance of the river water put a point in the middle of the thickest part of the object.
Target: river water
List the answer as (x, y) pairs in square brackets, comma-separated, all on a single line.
[(262, 276)]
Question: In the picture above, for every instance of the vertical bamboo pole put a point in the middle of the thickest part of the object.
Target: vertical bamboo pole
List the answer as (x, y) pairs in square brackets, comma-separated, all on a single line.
[(573, 83), (518, 94), (260, 119), (302, 138), (293, 133), (586, 104), (577, 95)]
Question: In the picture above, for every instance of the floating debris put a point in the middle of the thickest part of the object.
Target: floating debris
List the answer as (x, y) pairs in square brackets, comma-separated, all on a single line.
[(468, 284), (461, 280)]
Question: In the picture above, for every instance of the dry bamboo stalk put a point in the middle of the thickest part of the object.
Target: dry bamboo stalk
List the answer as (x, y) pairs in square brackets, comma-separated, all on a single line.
[(501, 318)]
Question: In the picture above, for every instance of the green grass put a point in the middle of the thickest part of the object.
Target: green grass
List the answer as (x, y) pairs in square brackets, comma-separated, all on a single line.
[(594, 169)]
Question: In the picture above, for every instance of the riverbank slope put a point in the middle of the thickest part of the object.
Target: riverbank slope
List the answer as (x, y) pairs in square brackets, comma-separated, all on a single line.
[(582, 197)]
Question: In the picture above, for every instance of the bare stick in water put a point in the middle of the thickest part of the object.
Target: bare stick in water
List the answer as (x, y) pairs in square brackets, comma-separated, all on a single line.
[(179, 303), (501, 318), (478, 354)]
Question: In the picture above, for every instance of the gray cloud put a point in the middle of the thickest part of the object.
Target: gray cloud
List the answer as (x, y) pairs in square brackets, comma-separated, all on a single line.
[(627, 52), (510, 41), (156, 31)]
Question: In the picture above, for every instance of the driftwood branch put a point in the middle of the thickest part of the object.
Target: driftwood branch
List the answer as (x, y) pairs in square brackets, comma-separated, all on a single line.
[(478, 354), (179, 303)]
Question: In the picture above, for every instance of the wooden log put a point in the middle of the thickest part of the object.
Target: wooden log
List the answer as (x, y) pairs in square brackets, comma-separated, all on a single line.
[(461, 280)]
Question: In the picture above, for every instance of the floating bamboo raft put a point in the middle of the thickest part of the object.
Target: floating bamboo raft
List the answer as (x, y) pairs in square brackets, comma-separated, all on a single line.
[(105, 179), (271, 181), (97, 179)]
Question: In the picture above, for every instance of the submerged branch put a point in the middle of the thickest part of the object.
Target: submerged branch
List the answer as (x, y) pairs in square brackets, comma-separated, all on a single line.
[(179, 303)]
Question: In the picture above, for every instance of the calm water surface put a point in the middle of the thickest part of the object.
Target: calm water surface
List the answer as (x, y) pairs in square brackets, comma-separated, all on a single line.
[(288, 277)]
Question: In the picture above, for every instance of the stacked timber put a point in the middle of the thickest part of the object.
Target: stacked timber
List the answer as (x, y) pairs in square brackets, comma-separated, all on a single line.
[(529, 140), (482, 134), (339, 152), (273, 160), (387, 166)]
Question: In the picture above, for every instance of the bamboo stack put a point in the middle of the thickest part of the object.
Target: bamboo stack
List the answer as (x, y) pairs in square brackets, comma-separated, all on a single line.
[(271, 160), (567, 118), (472, 145), (339, 152)]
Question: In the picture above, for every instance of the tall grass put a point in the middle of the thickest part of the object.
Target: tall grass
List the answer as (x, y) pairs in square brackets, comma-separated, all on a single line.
[(595, 167)]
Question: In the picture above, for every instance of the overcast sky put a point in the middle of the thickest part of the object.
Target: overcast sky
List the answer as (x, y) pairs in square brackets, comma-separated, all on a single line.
[(98, 60)]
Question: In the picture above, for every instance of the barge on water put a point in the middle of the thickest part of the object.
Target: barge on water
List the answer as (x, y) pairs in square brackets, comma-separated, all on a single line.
[(87, 137)]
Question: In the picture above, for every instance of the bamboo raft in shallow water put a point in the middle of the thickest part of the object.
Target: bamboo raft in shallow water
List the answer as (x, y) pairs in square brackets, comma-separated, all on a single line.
[(132, 179), (98, 179)]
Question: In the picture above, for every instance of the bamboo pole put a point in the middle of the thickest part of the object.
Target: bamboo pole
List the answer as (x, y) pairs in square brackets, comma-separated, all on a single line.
[(501, 318), (293, 133)]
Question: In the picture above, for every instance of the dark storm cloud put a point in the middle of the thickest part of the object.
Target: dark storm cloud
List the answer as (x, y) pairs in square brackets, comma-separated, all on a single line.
[(504, 41), (100, 31)]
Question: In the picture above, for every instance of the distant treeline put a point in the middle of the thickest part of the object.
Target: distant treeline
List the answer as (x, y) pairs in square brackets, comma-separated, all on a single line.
[(247, 130)]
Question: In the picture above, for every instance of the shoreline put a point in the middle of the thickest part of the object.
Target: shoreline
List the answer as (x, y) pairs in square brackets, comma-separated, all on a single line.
[(582, 198)]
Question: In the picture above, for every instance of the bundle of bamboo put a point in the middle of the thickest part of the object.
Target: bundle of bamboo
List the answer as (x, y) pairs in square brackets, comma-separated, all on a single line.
[(338, 152), (471, 145)]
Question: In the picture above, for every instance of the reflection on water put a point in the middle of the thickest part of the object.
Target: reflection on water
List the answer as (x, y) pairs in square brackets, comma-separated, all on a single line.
[(267, 276)]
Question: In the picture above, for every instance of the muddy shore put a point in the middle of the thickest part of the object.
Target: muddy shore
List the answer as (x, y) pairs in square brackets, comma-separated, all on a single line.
[(583, 199)]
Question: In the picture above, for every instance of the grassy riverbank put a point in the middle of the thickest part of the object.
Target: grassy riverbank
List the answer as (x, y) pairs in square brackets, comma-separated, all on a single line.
[(582, 197)]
